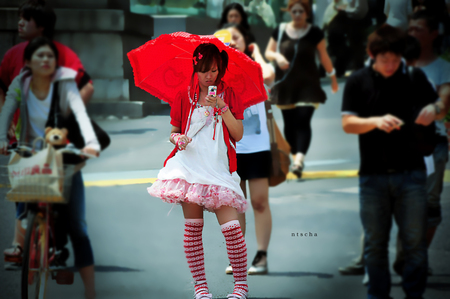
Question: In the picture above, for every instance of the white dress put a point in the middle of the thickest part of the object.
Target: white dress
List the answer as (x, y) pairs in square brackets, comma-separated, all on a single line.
[(200, 174)]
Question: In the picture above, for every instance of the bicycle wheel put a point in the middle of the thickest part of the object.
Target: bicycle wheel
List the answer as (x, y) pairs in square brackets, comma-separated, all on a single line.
[(35, 264)]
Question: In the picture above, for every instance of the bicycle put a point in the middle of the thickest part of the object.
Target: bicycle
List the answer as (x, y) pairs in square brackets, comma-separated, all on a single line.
[(40, 245)]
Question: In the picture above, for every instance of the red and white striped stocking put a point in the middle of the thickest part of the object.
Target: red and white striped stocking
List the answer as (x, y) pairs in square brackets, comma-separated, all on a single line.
[(237, 253), (193, 248)]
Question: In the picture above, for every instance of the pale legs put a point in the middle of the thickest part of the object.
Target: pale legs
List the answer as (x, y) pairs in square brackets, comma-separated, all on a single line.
[(259, 194), (88, 276)]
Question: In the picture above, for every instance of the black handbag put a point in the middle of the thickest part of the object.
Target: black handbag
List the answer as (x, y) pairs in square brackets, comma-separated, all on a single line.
[(57, 120)]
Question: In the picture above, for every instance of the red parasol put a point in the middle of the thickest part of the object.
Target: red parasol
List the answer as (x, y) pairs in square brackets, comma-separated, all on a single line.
[(164, 66)]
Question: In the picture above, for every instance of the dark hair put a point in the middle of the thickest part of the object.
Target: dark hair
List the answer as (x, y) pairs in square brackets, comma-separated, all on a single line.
[(36, 44), (209, 54), (412, 50), (41, 13), (387, 39), (245, 34), (432, 21), (240, 9)]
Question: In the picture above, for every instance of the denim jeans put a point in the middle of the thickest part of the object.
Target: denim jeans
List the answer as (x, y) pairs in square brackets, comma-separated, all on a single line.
[(435, 184), (402, 195), (71, 220)]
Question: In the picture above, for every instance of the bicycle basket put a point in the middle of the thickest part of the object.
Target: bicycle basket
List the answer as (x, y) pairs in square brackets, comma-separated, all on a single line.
[(39, 178)]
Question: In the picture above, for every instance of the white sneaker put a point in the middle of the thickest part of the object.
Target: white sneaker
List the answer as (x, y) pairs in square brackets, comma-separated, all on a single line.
[(229, 270), (258, 270)]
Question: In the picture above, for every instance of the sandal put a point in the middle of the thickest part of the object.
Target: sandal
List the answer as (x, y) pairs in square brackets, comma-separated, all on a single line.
[(13, 254)]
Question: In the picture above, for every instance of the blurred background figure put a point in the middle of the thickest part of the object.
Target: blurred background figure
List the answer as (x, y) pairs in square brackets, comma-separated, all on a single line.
[(213, 8), (228, 2), (376, 10), (397, 12), (260, 10), (253, 155), (424, 26), (234, 13), (437, 8), (297, 91), (346, 34), (440, 10)]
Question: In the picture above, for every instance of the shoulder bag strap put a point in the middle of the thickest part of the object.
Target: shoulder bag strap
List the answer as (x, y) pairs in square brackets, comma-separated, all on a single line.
[(270, 127), (54, 116), (280, 34)]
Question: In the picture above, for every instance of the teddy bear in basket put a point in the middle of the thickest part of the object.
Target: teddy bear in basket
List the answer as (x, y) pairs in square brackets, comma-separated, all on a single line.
[(56, 137)]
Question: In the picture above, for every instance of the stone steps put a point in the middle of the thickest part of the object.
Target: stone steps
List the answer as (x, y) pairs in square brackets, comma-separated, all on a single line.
[(101, 32)]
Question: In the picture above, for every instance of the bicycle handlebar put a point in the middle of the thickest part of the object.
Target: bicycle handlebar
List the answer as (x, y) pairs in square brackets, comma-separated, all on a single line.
[(69, 149)]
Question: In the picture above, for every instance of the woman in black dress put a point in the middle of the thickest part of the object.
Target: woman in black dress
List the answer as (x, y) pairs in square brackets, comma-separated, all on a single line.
[(297, 91)]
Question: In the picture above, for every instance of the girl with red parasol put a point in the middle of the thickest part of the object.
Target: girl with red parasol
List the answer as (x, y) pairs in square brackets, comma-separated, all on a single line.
[(200, 173)]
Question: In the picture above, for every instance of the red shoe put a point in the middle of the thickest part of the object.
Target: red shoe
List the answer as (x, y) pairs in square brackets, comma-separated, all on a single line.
[(13, 254)]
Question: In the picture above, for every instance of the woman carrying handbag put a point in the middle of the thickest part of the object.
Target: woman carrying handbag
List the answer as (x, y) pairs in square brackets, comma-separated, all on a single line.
[(254, 158), (297, 91)]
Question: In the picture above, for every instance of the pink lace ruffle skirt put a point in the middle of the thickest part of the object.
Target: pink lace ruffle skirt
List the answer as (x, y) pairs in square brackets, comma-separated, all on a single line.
[(211, 197)]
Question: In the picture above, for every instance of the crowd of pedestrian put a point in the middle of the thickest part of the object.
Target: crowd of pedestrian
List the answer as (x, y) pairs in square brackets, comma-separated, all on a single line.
[(397, 92)]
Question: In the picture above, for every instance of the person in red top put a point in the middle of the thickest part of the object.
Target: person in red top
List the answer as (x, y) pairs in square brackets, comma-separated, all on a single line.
[(35, 19), (38, 19), (200, 173)]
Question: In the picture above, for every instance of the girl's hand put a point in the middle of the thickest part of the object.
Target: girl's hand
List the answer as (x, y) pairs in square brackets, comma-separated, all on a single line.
[(90, 151), (215, 101), (182, 141), (282, 62)]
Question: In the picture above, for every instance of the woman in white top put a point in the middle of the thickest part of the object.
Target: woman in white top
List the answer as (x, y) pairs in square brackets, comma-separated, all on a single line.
[(253, 155), (32, 90)]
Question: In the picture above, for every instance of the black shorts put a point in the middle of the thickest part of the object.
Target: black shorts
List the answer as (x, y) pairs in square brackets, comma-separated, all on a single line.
[(254, 165)]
